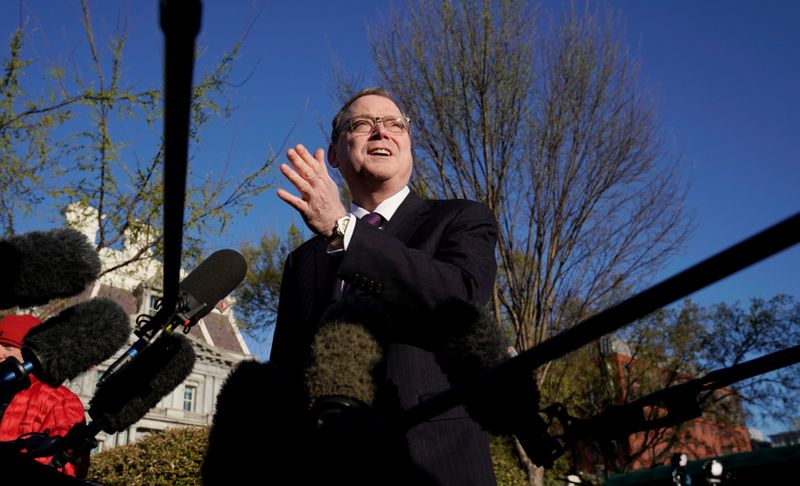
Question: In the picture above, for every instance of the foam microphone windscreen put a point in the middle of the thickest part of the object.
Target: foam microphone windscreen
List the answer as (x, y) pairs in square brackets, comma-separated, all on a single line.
[(214, 279), (470, 342), (347, 353), (129, 394), (258, 425), (75, 339), (44, 265)]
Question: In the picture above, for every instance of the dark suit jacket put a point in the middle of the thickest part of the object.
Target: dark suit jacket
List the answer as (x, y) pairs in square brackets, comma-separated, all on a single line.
[(429, 252)]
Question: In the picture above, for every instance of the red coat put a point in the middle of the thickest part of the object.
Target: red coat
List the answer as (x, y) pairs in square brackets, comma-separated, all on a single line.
[(42, 407)]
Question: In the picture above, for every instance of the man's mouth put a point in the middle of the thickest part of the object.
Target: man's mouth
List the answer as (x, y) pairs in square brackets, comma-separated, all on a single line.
[(381, 152)]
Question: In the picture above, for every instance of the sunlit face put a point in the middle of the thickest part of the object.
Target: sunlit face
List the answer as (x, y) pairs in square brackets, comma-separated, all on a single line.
[(7, 351), (376, 160)]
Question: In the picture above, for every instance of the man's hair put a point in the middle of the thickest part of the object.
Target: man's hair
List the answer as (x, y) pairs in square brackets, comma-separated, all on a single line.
[(337, 120)]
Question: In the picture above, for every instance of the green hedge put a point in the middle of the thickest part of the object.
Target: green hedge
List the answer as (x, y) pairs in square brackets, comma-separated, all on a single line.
[(172, 457), (175, 455)]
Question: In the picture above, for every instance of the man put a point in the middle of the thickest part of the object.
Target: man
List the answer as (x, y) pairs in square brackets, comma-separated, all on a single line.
[(40, 407), (417, 254)]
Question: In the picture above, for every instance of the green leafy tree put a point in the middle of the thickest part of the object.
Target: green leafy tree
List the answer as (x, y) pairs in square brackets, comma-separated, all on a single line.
[(734, 332), (116, 190), (26, 147), (654, 353), (672, 346), (257, 297)]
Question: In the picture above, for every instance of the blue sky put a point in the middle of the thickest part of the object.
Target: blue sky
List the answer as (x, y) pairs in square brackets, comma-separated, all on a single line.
[(724, 76)]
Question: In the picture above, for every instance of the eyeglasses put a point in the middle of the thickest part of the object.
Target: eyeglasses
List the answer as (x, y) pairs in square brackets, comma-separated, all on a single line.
[(363, 125)]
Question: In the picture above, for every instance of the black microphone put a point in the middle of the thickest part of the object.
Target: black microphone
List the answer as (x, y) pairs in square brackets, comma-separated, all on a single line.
[(470, 342), (251, 435), (72, 341), (211, 282), (44, 265), (128, 395), (200, 291)]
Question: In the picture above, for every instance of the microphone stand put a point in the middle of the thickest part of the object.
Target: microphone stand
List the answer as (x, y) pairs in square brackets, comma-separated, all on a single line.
[(741, 255), (180, 22), (681, 402)]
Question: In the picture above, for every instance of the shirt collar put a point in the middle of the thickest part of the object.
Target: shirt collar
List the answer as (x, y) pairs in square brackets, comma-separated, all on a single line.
[(387, 208)]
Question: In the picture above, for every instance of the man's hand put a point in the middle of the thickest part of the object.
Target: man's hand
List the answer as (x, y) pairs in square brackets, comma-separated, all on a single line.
[(319, 203)]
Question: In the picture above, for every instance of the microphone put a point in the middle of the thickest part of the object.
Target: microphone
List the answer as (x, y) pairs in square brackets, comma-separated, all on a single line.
[(327, 418), (69, 343), (128, 395), (346, 362), (248, 435), (346, 390), (471, 342), (210, 282), (44, 265)]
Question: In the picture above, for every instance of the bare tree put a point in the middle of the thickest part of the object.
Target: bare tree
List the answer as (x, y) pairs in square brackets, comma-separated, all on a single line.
[(548, 127)]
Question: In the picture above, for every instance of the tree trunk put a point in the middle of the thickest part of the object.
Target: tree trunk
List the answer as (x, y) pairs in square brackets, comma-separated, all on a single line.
[(535, 473)]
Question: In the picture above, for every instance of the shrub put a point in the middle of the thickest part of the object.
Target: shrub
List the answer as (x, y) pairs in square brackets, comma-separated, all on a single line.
[(505, 462), (171, 457)]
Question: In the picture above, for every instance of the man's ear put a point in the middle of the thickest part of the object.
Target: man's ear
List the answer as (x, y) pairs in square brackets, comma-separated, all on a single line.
[(332, 156)]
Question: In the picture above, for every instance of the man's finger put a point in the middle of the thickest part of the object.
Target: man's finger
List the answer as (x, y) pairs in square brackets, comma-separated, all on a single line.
[(319, 155), (296, 179), (306, 164), (294, 201), (315, 162), (303, 167)]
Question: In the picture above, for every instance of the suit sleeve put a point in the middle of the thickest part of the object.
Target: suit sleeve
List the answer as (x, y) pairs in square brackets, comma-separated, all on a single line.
[(456, 260), (284, 340)]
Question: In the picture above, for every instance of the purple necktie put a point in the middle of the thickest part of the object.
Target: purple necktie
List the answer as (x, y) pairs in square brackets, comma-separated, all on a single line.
[(374, 219)]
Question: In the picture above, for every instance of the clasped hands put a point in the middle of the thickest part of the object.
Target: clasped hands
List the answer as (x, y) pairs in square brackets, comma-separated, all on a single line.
[(319, 202)]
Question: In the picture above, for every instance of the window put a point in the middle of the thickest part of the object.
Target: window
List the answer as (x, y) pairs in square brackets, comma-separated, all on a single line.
[(152, 304), (189, 394)]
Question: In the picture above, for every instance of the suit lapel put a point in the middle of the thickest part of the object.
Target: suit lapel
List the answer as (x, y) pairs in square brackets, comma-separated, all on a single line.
[(408, 217)]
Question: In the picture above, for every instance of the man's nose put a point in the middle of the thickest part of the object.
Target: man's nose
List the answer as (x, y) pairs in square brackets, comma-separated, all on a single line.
[(378, 131)]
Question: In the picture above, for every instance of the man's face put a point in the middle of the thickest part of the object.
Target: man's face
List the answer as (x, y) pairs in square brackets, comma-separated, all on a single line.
[(7, 351), (377, 160)]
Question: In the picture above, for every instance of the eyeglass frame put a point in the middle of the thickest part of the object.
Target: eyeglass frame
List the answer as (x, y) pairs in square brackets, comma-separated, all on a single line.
[(375, 120)]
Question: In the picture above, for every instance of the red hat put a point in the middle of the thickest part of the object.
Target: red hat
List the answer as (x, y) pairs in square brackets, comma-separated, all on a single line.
[(13, 329)]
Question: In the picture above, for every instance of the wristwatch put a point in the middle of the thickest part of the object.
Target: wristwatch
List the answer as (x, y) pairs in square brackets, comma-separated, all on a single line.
[(336, 239)]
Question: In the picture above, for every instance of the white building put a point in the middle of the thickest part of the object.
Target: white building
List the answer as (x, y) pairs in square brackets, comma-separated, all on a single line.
[(216, 340)]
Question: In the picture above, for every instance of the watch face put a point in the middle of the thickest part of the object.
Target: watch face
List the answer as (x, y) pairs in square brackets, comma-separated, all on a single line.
[(341, 225)]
